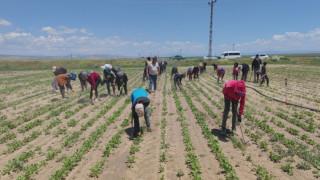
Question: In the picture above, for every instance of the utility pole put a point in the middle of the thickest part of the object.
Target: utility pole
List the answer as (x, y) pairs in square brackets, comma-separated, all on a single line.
[(210, 35)]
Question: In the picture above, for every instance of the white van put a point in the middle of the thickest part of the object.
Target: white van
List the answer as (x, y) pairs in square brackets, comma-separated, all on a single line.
[(231, 55)]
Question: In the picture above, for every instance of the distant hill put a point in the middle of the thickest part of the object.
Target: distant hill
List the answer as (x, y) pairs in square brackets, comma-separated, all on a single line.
[(8, 57)]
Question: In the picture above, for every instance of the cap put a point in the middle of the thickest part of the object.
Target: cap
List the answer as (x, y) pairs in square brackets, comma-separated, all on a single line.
[(139, 109)]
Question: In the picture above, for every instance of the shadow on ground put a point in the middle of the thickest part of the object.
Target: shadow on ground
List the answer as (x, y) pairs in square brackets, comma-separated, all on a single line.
[(216, 132)]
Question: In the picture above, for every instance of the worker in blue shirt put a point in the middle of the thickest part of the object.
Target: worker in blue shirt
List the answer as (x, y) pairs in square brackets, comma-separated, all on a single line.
[(140, 103)]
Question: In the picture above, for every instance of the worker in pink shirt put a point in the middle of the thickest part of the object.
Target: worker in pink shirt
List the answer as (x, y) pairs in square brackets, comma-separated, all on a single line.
[(233, 91)]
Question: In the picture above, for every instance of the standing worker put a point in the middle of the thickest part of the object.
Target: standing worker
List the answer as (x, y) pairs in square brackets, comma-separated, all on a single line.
[(233, 91), (255, 66), (153, 70), (245, 69), (201, 67), (220, 73), (235, 71), (94, 80), (264, 74), (64, 79), (144, 78), (140, 103)]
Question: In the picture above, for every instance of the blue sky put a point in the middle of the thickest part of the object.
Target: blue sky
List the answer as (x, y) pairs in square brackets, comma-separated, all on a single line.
[(149, 27)]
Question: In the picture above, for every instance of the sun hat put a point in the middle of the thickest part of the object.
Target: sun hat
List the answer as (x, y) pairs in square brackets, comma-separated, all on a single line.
[(139, 109)]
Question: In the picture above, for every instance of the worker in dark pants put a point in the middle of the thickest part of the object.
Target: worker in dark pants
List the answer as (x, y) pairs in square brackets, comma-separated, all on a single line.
[(64, 79), (195, 72), (110, 79), (233, 91), (174, 71), (215, 67), (255, 66), (245, 69), (177, 80), (121, 81), (94, 80), (140, 103), (82, 78), (264, 74), (220, 73), (145, 78)]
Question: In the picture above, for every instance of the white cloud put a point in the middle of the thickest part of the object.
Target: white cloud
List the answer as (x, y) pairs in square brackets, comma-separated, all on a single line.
[(84, 31), (288, 41), (4, 22), (63, 40), (15, 35), (64, 30)]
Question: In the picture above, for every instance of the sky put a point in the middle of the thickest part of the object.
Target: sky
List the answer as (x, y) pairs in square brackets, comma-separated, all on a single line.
[(157, 27)]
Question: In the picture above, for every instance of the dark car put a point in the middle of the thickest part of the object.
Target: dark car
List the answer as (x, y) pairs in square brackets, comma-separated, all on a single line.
[(178, 57)]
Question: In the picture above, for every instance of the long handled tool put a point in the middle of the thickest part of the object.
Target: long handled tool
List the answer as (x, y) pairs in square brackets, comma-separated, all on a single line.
[(243, 141)]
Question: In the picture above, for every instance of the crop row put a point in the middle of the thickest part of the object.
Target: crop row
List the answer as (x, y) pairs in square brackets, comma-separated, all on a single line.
[(163, 145), (10, 125), (192, 161), (68, 140), (111, 146), (213, 143), (73, 160)]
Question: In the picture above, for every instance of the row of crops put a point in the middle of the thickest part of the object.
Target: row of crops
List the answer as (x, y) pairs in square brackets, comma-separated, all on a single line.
[(46, 137)]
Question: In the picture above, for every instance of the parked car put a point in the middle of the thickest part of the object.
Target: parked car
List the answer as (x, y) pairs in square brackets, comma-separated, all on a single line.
[(261, 56), (177, 57)]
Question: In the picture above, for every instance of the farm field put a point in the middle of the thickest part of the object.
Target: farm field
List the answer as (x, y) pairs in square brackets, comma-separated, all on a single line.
[(45, 137)]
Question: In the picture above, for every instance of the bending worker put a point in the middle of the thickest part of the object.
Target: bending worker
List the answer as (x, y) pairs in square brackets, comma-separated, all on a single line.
[(233, 91), (64, 79), (140, 103)]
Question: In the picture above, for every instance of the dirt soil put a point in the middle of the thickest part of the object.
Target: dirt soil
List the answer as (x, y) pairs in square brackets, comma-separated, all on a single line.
[(149, 163)]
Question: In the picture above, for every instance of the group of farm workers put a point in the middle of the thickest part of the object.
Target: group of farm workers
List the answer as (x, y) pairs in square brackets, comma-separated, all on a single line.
[(112, 76), (233, 91)]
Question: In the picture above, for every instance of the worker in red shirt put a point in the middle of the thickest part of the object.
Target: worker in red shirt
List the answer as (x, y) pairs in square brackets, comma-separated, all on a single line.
[(233, 91), (94, 80), (220, 73)]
